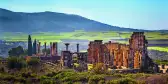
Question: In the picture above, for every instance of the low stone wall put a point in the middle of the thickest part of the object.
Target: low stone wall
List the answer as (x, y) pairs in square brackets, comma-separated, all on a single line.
[(163, 68)]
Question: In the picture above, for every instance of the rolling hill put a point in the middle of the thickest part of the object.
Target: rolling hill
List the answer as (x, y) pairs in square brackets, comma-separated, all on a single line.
[(50, 22), (59, 27)]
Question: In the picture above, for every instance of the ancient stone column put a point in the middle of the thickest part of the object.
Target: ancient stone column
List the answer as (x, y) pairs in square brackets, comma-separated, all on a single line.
[(39, 45), (51, 48), (54, 49), (45, 49), (67, 45), (77, 49)]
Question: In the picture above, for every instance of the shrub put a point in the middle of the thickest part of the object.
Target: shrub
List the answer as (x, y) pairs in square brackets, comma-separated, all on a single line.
[(80, 68), (62, 74), (95, 79), (26, 75), (67, 76), (33, 75), (20, 79), (9, 77), (91, 82), (47, 81), (44, 77), (75, 77), (118, 75), (15, 62), (82, 77), (2, 69), (13, 78), (4, 82), (136, 75), (127, 81), (123, 81), (77, 83), (112, 82), (99, 68), (101, 82), (51, 74), (33, 62), (68, 82), (141, 82)]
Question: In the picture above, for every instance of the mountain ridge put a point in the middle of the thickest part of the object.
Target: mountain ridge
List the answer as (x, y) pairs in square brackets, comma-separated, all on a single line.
[(52, 22)]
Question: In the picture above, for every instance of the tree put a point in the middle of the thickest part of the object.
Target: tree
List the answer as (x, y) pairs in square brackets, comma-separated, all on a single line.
[(25, 52), (16, 51), (15, 62), (35, 47), (29, 46)]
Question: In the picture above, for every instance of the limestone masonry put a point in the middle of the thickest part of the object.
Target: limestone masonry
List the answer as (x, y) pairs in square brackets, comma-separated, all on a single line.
[(116, 55)]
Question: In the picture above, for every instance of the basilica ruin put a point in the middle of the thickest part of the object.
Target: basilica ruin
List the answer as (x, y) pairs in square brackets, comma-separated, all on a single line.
[(114, 55), (120, 56)]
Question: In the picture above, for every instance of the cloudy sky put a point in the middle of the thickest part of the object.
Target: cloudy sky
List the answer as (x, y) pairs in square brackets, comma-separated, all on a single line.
[(139, 14)]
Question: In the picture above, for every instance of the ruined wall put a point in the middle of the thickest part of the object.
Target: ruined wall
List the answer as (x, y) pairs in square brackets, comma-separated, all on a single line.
[(138, 50), (90, 52), (137, 59), (125, 53), (97, 52), (66, 59), (112, 54), (118, 54), (104, 54)]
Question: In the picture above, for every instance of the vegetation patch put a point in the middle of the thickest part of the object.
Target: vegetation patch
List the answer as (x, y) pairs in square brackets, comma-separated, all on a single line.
[(164, 49), (79, 35), (160, 62)]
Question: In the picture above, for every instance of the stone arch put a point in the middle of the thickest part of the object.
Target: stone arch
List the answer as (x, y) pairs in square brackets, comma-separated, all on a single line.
[(137, 59)]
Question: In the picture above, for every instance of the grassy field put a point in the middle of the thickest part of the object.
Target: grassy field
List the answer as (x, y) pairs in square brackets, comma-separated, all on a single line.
[(165, 49), (51, 37), (165, 62), (82, 35)]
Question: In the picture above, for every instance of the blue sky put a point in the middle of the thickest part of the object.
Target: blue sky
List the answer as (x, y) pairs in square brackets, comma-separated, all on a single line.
[(139, 14)]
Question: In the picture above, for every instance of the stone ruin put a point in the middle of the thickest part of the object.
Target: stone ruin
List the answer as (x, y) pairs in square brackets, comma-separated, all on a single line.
[(120, 56)]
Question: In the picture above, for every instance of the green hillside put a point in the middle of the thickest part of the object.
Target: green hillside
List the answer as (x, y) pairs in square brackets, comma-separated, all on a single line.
[(121, 37)]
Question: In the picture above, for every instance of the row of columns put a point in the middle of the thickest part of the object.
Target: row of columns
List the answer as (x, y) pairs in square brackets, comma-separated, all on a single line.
[(53, 48), (67, 47)]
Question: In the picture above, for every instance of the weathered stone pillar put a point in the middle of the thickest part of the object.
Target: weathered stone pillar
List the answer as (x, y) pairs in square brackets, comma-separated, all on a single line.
[(51, 48), (39, 46), (67, 45), (45, 49), (77, 49)]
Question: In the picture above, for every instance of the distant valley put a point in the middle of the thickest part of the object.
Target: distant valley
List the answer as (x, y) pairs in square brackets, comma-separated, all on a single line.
[(59, 27)]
